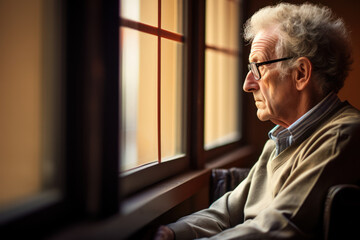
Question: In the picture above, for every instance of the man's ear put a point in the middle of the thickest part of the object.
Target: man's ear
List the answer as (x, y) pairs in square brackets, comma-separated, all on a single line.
[(302, 73)]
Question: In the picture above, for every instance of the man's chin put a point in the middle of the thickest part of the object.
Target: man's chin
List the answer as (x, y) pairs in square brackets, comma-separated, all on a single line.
[(262, 116)]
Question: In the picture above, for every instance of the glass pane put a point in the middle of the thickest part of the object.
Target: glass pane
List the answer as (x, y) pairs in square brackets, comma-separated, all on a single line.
[(30, 109), (212, 22), (172, 99), (222, 23), (221, 99), (221, 73), (172, 15), (139, 98), (211, 97), (144, 11), (233, 23)]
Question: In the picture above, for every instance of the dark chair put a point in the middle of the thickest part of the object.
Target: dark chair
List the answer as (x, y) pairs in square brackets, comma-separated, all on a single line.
[(224, 180), (342, 213), (342, 205)]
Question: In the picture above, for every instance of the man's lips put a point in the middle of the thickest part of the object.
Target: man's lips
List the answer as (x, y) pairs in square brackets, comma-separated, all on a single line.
[(257, 98), (258, 102)]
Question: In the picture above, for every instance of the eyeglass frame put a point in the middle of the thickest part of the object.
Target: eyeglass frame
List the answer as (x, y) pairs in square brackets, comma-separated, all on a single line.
[(257, 65)]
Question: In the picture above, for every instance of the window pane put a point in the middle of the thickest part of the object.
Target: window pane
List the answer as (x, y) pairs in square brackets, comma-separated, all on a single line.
[(145, 11), (30, 109), (233, 23), (222, 91), (139, 98), (222, 23), (172, 99), (171, 15), (212, 22), (211, 98), (221, 99)]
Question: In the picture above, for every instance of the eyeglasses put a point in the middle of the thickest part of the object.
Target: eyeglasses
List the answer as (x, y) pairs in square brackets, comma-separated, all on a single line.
[(254, 67)]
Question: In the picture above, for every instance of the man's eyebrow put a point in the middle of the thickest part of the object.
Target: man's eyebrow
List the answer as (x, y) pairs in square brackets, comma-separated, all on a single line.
[(254, 57), (260, 56)]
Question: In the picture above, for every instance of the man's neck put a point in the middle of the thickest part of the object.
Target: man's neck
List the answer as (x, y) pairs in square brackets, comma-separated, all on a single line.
[(303, 104)]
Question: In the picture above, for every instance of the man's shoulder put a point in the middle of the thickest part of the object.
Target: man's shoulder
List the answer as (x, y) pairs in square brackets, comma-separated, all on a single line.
[(347, 114), (342, 128), (347, 119)]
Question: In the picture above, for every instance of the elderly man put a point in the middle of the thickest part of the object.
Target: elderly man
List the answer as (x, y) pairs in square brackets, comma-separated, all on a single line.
[(299, 59)]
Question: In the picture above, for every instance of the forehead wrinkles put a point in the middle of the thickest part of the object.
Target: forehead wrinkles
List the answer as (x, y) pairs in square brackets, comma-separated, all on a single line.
[(263, 46)]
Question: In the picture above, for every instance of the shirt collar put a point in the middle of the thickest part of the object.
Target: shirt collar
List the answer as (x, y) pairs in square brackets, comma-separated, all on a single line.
[(285, 137)]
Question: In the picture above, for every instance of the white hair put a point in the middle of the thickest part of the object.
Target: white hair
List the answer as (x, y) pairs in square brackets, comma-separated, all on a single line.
[(310, 31)]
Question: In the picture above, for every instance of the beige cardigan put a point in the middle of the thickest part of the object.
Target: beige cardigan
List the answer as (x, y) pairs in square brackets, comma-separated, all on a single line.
[(283, 196)]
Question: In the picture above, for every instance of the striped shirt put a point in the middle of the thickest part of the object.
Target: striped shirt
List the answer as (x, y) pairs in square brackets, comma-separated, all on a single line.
[(285, 137)]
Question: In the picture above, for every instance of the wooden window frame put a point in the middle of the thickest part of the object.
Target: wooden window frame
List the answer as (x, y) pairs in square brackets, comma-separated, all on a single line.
[(140, 177), (89, 88), (201, 157), (160, 33), (216, 152), (196, 157), (93, 185)]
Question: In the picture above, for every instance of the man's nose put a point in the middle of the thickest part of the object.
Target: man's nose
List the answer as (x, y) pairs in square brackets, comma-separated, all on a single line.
[(250, 83)]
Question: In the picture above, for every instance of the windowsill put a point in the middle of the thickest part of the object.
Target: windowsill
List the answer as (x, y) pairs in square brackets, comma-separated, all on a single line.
[(140, 209)]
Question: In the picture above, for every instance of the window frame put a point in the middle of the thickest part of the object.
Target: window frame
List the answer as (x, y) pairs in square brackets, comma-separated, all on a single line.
[(133, 180), (44, 209), (200, 157), (93, 186), (161, 34), (218, 151), (89, 35), (196, 157)]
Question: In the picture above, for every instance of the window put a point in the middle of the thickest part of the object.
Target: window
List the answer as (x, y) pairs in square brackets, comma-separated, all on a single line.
[(31, 141), (59, 88), (85, 82), (222, 90), (152, 81), (180, 91)]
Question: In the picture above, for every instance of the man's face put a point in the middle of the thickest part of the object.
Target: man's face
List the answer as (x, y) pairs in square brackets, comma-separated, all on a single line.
[(274, 96)]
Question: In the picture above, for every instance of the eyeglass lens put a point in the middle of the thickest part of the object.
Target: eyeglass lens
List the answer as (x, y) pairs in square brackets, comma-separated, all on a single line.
[(254, 71)]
